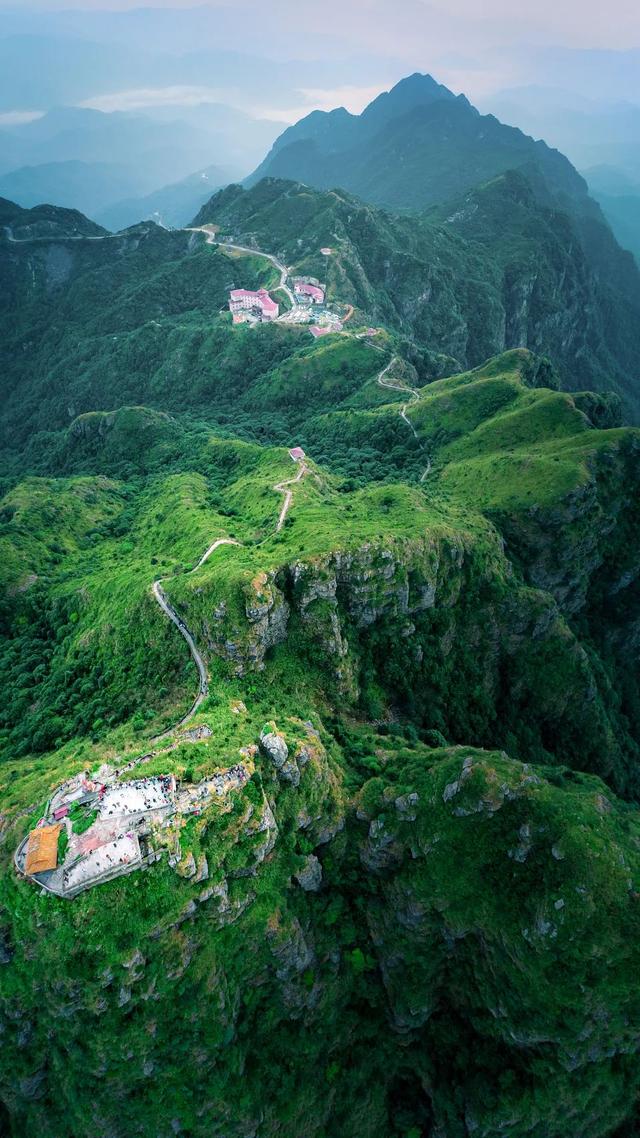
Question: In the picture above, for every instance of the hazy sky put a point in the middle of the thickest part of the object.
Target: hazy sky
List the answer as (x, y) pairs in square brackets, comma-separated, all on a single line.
[(354, 48), (394, 27)]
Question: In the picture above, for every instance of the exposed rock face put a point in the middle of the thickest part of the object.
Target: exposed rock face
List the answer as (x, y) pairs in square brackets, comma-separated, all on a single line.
[(267, 617), (365, 585), (583, 540), (310, 876), (445, 613), (257, 837), (464, 927), (196, 734), (202, 869), (187, 866), (275, 747)]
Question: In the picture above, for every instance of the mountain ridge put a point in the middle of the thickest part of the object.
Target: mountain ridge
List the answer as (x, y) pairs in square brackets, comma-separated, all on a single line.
[(422, 111), (492, 270)]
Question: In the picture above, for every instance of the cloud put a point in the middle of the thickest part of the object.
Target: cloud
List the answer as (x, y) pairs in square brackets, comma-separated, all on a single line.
[(141, 97), (336, 52), (355, 99), (19, 118)]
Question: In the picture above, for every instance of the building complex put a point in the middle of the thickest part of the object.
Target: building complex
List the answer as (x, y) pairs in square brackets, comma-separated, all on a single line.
[(253, 307), (315, 292)]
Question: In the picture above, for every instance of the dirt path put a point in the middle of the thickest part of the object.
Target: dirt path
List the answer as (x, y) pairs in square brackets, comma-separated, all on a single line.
[(281, 487), (67, 237), (168, 609), (415, 396), (185, 632)]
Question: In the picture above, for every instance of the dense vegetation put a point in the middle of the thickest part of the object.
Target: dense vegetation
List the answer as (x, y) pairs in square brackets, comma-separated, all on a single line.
[(418, 147), (415, 146), (497, 268), (426, 922)]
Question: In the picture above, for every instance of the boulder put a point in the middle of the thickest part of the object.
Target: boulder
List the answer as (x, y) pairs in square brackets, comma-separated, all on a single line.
[(187, 867), (274, 745)]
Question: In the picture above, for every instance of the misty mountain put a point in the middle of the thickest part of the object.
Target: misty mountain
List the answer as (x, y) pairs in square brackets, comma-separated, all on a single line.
[(619, 198), (90, 160), (82, 58), (623, 214), (592, 132), (172, 206), (38, 72), (88, 187), (193, 134), (414, 147)]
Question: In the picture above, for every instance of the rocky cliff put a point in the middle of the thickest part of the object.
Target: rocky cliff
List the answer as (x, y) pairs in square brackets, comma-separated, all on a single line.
[(455, 634), (442, 952)]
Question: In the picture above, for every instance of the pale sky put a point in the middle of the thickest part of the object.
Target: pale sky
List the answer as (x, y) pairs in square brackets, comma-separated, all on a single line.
[(354, 48), (381, 25)]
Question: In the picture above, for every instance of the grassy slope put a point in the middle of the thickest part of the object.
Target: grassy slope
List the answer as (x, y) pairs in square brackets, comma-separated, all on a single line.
[(496, 446), (95, 543)]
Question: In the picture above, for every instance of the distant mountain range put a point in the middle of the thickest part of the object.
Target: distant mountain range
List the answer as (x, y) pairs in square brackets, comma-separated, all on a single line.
[(619, 197), (93, 161), (590, 131), (171, 206)]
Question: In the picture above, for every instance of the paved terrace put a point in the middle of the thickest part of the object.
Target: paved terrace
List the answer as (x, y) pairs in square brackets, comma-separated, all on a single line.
[(120, 839)]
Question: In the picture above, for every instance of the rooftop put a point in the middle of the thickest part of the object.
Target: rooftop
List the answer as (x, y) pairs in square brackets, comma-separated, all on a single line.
[(42, 849)]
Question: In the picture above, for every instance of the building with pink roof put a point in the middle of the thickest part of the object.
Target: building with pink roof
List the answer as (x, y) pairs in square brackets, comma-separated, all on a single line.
[(297, 454), (242, 300), (302, 288)]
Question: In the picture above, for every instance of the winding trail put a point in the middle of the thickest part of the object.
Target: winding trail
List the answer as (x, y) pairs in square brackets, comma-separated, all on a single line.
[(8, 231), (282, 269), (282, 488), (415, 397), (169, 611)]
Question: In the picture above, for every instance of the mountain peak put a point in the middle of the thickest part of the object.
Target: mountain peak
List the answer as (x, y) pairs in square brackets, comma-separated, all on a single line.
[(420, 84), (413, 91)]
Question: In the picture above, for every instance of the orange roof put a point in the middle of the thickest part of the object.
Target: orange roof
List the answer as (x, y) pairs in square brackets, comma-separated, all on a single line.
[(42, 849)]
